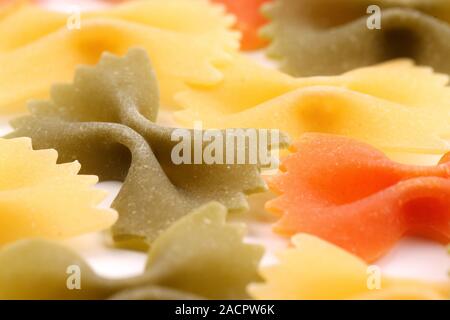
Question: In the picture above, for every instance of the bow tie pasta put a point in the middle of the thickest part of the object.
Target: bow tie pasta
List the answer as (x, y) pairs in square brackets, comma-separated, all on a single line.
[(39, 198), (186, 39)]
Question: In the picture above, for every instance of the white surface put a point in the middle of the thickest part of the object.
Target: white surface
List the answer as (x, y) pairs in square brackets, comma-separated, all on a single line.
[(415, 258)]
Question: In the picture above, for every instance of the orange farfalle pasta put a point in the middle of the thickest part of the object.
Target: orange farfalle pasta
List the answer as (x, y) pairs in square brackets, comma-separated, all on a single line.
[(352, 195), (249, 20)]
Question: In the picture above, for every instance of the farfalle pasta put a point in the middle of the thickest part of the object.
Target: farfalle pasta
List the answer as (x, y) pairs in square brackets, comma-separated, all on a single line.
[(249, 20), (106, 120), (331, 188), (352, 195), (325, 37), (37, 47), (395, 106), (200, 256), (39, 198), (315, 269)]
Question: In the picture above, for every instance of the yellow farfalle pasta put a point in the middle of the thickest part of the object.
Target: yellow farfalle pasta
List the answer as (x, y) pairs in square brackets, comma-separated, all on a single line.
[(395, 106), (186, 40), (315, 269), (39, 198)]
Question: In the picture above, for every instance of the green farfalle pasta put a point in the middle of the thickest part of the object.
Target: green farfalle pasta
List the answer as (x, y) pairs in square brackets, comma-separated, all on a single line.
[(199, 257), (328, 37), (106, 121)]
